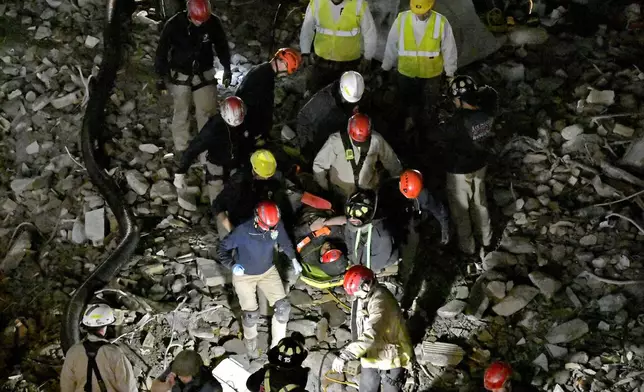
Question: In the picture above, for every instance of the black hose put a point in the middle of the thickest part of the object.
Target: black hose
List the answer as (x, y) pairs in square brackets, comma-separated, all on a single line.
[(118, 14)]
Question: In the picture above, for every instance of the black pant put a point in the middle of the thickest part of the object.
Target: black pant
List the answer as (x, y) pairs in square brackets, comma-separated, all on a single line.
[(325, 72), (392, 380), (419, 97)]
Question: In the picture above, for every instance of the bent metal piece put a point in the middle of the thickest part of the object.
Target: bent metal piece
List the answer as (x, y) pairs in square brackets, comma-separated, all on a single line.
[(118, 13)]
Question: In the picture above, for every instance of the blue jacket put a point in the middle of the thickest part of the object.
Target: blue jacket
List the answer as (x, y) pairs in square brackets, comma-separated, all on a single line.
[(254, 247)]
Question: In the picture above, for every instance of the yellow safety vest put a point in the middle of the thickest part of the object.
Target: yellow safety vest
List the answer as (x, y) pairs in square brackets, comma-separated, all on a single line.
[(341, 41), (424, 60)]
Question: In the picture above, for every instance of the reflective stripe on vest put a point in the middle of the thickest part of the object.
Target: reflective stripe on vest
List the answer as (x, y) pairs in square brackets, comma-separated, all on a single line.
[(368, 245), (424, 59), (341, 40), (267, 384)]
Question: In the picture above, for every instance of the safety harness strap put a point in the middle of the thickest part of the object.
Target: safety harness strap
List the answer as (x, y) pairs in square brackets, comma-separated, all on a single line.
[(91, 350), (350, 156), (357, 244), (307, 240)]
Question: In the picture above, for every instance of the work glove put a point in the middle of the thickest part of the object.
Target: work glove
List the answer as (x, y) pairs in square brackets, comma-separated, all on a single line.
[(238, 270), (161, 87), (338, 365), (364, 66), (444, 235), (228, 76), (180, 181), (297, 267)]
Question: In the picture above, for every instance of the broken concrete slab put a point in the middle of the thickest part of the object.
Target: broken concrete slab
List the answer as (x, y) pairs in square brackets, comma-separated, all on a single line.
[(451, 309), (518, 298), (441, 354), (567, 332), (498, 259), (612, 303), (634, 155), (541, 361), (556, 351), (212, 273), (496, 289), (164, 190), (19, 249), (601, 97), (572, 131), (518, 245), (304, 326), (137, 182), (546, 284), (95, 226)]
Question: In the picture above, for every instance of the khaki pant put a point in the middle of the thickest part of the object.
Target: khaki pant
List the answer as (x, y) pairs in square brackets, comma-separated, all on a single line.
[(205, 101), (468, 206), (270, 283)]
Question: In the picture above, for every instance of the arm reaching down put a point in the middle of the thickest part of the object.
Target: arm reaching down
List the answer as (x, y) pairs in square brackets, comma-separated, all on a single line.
[(323, 162)]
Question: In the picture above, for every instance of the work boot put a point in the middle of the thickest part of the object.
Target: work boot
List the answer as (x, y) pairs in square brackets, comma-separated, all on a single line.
[(250, 339), (278, 331)]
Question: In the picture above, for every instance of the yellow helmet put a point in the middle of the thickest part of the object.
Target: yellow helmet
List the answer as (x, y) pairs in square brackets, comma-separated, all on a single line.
[(263, 163), (420, 7)]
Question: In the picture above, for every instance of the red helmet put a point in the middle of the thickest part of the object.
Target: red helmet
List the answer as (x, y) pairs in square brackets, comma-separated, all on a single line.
[(359, 127), (331, 256), (411, 183), (496, 375), (267, 215), (291, 57), (198, 11), (355, 277)]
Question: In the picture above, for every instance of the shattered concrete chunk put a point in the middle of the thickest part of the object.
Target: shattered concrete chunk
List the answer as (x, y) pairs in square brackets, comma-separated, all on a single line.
[(20, 185), (556, 351), (78, 233), (188, 201), (541, 361), (612, 303), (451, 309), (303, 326), (498, 259), (137, 182), (95, 226), (601, 97), (496, 289), (91, 42), (518, 245), (42, 32), (235, 346), (441, 354), (623, 130), (572, 131), (546, 284), (212, 273), (149, 148), (518, 298), (567, 332), (66, 100), (588, 240), (17, 252), (163, 189), (573, 298)]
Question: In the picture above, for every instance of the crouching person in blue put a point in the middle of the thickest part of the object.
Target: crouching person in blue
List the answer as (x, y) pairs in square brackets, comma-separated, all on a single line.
[(253, 267), (186, 373), (284, 371)]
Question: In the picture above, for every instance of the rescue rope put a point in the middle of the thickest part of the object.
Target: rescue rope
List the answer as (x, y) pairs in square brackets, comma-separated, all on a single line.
[(337, 300), (118, 13), (335, 380)]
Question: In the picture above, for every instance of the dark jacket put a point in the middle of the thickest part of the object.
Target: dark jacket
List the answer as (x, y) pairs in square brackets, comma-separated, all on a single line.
[(324, 114), (187, 48), (279, 378), (227, 146), (204, 382), (242, 192), (462, 137), (257, 90), (383, 250), (399, 210), (254, 247)]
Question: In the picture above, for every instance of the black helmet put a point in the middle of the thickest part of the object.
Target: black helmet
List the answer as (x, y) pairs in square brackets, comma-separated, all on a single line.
[(289, 352), (361, 207), (463, 86)]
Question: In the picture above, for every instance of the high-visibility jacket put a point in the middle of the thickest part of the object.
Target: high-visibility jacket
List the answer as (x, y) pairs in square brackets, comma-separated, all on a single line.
[(422, 60), (341, 40), (383, 341)]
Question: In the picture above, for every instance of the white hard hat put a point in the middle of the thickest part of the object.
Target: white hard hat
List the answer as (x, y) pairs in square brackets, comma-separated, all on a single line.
[(351, 86), (98, 315), (233, 111)]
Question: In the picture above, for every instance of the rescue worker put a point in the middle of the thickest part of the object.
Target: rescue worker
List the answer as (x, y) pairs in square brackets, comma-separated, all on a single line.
[(228, 142), (383, 345), (247, 187), (186, 373), (368, 241), (185, 58), (348, 159), (284, 371), (320, 240), (466, 162), (328, 111), (498, 378), (421, 45), (95, 360), (416, 205), (337, 29), (257, 90), (253, 268)]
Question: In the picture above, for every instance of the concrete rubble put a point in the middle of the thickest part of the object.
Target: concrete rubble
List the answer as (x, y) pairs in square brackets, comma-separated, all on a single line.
[(569, 154)]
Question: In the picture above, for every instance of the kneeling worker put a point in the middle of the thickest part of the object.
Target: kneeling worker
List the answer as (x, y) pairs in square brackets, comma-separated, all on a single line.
[(228, 144), (284, 371), (253, 267), (186, 373), (95, 364), (348, 158), (383, 345)]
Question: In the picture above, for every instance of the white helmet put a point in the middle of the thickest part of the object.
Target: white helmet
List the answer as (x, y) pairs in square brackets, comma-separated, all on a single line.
[(98, 315), (233, 111), (351, 86)]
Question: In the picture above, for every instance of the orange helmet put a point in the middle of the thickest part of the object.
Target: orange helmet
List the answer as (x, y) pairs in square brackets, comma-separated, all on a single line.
[(267, 215), (496, 375), (411, 183), (291, 57), (359, 127), (198, 11), (355, 277)]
